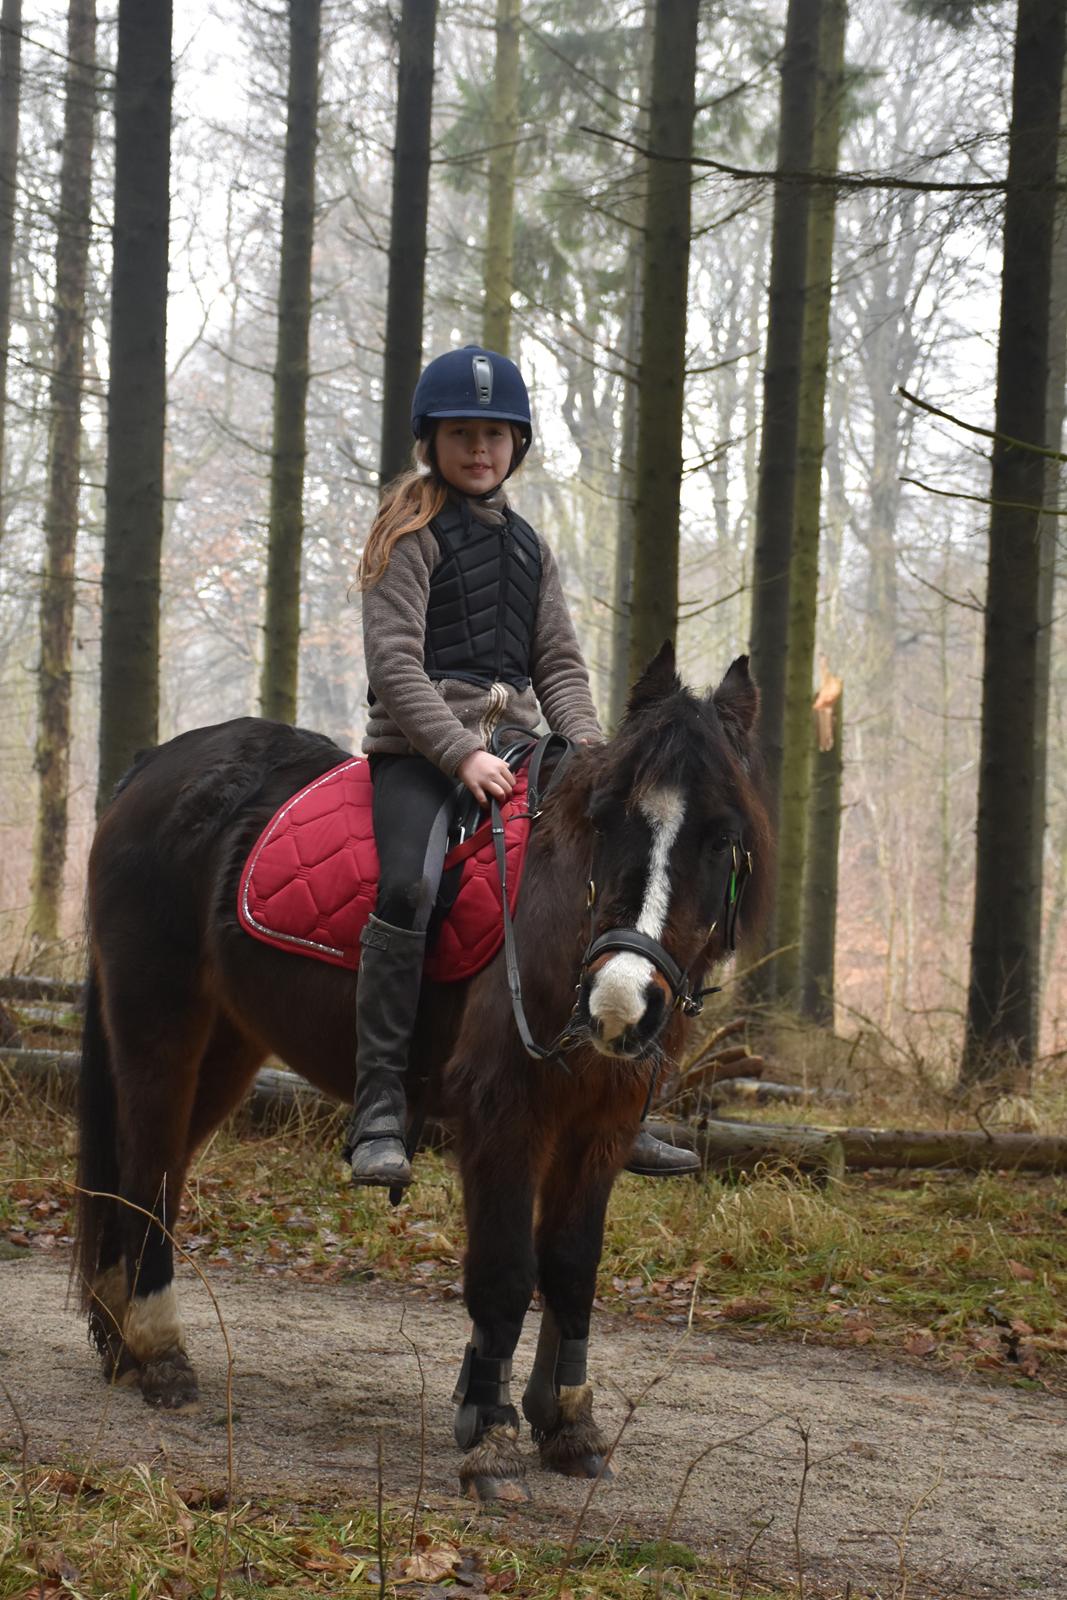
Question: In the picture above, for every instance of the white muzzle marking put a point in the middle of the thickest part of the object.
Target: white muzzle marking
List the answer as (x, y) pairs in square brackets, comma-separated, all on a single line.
[(618, 994)]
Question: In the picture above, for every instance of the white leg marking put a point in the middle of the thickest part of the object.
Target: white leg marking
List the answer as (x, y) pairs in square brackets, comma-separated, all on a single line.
[(617, 997), (152, 1325)]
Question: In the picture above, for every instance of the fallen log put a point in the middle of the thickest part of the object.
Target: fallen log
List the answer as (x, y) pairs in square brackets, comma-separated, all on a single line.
[(275, 1093), (724, 1146), (734, 1147), (761, 1092), (716, 1069), (58, 990), (867, 1149)]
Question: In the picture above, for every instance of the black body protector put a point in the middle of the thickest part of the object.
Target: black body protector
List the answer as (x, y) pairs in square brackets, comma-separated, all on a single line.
[(482, 608)]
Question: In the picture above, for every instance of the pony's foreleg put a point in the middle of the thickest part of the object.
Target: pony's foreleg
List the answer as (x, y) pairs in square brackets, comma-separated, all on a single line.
[(498, 1282), (558, 1400)]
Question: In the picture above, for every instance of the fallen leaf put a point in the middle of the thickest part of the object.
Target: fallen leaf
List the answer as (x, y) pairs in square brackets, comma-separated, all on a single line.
[(427, 1566), (197, 1498), (921, 1343), (1021, 1272), (1028, 1360), (744, 1306)]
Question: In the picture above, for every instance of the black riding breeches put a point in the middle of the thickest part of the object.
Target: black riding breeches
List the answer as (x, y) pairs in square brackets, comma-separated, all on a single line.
[(412, 809)]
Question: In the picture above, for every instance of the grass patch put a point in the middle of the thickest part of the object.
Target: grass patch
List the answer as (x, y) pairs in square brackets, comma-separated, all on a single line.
[(962, 1270), (139, 1535)]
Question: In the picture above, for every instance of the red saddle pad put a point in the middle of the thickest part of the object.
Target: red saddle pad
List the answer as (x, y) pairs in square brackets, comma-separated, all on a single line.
[(310, 882)]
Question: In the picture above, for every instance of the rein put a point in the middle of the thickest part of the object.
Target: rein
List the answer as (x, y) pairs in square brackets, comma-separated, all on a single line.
[(684, 995)]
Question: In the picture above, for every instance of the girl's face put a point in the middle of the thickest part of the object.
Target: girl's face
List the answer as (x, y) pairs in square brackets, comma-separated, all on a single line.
[(473, 453)]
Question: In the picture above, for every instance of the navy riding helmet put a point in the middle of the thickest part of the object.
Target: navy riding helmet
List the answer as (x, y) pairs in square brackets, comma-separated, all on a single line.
[(472, 382)]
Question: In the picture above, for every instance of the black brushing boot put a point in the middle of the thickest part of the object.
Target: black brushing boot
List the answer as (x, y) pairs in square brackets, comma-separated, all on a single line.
[(387, 999)]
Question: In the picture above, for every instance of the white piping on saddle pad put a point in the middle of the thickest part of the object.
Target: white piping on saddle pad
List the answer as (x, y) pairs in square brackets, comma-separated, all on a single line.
[(618, 995)]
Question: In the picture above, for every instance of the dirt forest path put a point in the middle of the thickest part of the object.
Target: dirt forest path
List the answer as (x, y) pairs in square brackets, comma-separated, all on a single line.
[(958, 1484)]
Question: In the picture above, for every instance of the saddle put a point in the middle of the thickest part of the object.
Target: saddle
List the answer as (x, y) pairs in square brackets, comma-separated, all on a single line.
[(311, 879)]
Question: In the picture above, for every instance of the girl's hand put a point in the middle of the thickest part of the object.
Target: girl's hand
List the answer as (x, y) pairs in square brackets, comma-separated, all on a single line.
[(486, 776)]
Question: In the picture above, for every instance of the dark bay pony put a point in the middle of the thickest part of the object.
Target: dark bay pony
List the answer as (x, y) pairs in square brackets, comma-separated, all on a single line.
[(183, 1007)]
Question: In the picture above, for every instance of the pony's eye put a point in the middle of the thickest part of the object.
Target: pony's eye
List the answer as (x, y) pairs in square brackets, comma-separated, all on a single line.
[(720, 842)]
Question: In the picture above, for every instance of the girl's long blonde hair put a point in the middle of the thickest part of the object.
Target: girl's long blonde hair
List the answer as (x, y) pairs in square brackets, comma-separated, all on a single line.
[(408, 504)]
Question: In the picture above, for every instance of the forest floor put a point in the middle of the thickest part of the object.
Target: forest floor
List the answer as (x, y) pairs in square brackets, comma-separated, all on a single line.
[(918, 1482), (859, 1391)]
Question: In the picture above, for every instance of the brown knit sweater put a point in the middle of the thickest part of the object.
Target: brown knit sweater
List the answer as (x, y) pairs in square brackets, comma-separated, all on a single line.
[(446, 719)]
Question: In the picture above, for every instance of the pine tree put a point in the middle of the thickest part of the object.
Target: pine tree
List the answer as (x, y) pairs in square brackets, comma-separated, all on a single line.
[(407, 233), (1000, 1025), (797, 744), (281, 641), (133, 527), (776, 495), (73, 229), (658, 477), (500, 217), (10, 96)]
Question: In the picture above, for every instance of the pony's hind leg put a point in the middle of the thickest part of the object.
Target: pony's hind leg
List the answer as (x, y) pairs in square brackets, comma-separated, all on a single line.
[(498, 1282), (558, 1401), (155, 1047)]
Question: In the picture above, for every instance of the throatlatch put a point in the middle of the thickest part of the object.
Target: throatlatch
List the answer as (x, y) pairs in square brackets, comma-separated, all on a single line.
[(484, 1385), (558, 1365)]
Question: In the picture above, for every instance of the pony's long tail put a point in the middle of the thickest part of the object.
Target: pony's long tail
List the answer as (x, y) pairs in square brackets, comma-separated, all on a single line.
[(98, 1166)]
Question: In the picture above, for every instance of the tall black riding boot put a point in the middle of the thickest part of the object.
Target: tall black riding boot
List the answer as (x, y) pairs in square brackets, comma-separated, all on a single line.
[(656, 1158), (387, 999)]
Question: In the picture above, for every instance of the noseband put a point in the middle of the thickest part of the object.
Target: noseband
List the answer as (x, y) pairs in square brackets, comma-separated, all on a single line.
[(642, 944), (613, 939)]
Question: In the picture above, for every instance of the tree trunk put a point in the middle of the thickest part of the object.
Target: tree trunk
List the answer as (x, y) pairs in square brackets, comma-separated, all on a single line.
[(626, 514), (1000, 1003), (1046, 583), (407, 237), (74, 224), (797, 752), (10, 95), (658, 483), (503, 149), (133, 522), (776, 493), (630, 361), (281, 642), (819, 922)]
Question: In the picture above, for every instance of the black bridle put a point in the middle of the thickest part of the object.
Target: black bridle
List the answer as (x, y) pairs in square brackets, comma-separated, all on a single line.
[(690, 1000)]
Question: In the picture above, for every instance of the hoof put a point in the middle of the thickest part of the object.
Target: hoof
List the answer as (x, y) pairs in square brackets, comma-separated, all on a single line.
[(494, 1469), (121, 1368), (575, 1447), (484, 1490), (589, 1466), (169, 1382)]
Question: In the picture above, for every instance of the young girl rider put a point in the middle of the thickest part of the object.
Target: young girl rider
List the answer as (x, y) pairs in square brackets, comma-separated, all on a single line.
[(465, 627)]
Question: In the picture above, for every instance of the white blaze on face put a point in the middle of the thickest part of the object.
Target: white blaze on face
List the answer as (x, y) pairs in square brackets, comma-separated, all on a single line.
[(617, 994)]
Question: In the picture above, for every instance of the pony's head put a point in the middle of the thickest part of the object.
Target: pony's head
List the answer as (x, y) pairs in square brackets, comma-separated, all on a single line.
[(680, 833)]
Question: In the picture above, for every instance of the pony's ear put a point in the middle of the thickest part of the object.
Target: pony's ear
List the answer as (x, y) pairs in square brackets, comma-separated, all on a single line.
[(658, 680), (737, 699)]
